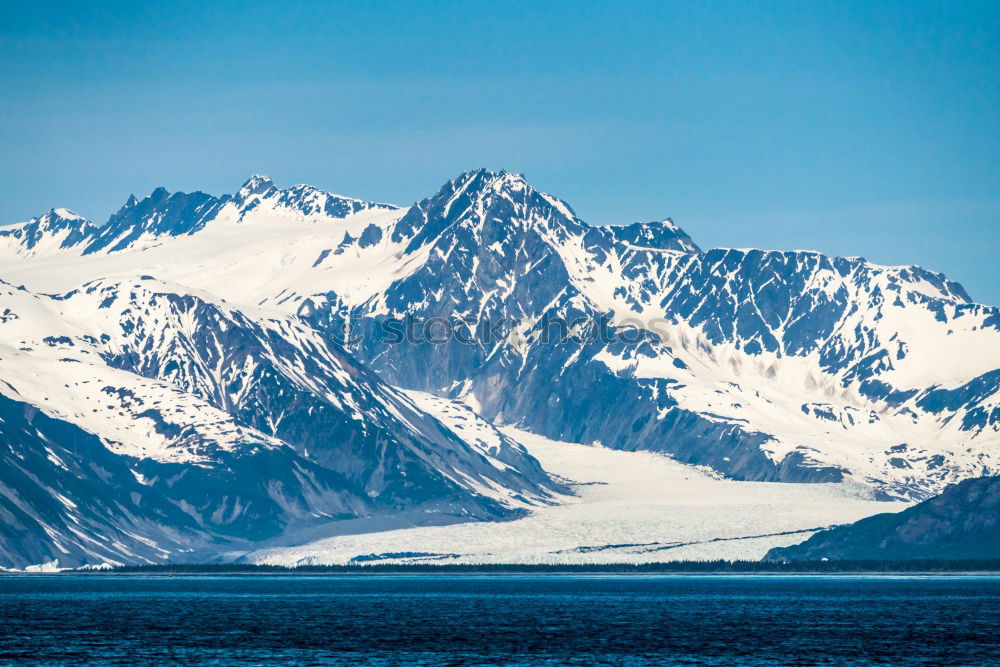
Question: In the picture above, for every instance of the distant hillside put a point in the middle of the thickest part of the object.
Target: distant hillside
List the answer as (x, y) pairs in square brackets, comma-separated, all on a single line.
[(962, 522)]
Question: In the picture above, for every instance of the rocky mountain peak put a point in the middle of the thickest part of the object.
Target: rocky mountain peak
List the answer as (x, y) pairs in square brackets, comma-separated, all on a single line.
[(257, 184)]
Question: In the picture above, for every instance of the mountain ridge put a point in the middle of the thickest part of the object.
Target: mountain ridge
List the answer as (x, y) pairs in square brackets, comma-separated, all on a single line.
[(486, 238), (258, 184), (265, 323)]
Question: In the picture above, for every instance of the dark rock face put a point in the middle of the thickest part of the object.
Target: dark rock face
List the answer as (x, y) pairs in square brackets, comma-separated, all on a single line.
[(65, 496), (498, 266), (505, 257), (961, 523), (159, 214)]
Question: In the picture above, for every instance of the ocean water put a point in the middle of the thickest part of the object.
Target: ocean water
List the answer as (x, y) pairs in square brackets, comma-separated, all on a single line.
[(499, 620)]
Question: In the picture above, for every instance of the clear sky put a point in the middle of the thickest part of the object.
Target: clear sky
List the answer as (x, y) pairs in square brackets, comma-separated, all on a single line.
[(854, 128)]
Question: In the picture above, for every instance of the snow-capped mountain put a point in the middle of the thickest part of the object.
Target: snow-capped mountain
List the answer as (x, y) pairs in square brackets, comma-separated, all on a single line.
[(252, 427), (788, 366), (59, 229), (372, 348), (162, 215)]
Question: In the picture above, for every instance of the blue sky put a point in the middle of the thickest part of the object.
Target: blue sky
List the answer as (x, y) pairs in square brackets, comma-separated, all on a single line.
[(854, 128)]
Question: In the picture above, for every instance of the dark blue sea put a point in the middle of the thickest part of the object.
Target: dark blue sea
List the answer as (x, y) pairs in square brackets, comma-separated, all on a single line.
[(498, 620)]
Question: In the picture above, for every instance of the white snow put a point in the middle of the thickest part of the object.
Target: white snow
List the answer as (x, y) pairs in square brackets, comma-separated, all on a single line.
[(68, 214), (253, 261), (769, 390), (47, 360)]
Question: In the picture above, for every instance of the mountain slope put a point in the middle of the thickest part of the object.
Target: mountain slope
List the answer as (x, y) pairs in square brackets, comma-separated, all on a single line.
[(65, 497), (254, 427), (961, 523)]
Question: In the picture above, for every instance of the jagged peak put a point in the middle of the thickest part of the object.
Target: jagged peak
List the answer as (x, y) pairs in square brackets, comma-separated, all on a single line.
[(659, 234), (485, 180), (470, 195), (57, 229), (59, 217), (483, 183), (484, 172), (302, 195), (256, 184), (510, 183), (261, 184), (305, 189), (158, 196)]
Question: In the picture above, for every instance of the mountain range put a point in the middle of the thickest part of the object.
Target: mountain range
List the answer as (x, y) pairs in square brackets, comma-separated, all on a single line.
[(203, 375)]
